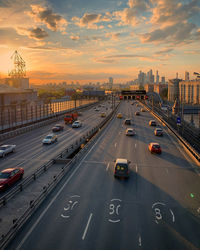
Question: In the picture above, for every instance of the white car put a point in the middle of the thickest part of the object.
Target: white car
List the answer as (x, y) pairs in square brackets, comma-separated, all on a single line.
[(6, 149), (76, 124), (50, 138), (130, 131)]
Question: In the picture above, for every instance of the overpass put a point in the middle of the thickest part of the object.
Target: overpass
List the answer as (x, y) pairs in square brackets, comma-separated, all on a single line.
[(133, 95), (157, 208)]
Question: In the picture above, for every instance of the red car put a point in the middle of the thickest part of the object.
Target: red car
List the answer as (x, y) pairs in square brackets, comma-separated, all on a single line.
[(9, 176), (154, 147)]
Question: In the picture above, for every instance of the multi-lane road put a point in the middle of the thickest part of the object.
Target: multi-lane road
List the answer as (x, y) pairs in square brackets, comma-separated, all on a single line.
[(158, 207)]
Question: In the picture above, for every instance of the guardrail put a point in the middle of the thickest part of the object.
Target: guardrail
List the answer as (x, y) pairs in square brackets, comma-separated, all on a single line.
[(38, 124), (96, 132), (180, 138)]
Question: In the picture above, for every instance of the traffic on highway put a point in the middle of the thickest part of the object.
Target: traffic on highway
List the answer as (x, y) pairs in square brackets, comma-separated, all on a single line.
[(135, 187)]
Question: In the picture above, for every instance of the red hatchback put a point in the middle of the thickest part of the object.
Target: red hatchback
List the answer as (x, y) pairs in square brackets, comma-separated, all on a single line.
[(154, 147), (9, 176)]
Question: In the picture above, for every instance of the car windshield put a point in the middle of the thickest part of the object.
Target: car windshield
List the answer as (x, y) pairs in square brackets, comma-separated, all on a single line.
[(4, 175), (121, 166), (156, 146), (3, 148), (48, 137)]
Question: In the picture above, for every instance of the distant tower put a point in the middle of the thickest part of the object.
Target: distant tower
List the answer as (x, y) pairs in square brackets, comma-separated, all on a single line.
[(110, 82), (157, 77), (187, 76), (177, 75), (19, 70)]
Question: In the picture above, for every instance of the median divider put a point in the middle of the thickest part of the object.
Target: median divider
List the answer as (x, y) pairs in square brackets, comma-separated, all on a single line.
[(89, 139)]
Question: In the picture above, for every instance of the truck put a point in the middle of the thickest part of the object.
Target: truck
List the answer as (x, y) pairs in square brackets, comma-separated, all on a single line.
[(70, 118)]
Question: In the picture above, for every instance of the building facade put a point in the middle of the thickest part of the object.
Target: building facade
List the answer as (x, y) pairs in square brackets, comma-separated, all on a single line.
[(173, 89), (189, 91)]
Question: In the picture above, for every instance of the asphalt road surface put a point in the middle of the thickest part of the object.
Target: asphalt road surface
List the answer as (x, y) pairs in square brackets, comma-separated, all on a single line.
[(158, 207)]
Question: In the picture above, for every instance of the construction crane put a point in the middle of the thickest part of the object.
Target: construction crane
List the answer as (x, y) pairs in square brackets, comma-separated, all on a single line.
[(19, 70)]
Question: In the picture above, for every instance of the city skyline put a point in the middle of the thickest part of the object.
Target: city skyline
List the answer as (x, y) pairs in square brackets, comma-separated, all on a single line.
[(94, 41)]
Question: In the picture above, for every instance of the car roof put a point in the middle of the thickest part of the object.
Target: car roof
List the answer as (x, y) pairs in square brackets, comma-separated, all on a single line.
[(129, 129), (120, 160), (152, 120), (158, 128), (8, 170), (127, 119), (50, 135), (155, 143)]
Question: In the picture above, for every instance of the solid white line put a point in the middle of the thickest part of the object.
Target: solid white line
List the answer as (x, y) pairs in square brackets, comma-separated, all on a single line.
[(85, 232), (115, 145), (140, 241), (136, 168), (55, 197), (135, 145), (108, 166)]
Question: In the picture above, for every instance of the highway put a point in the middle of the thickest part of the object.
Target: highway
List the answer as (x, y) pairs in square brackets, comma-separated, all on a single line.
[(158, 207), (31, 153)]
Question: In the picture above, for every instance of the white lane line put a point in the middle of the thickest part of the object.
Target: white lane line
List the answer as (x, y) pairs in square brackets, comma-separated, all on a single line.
[(108, 166), (135, 145), (56, 196), (140, 241), (167, 171), (136, 168), (115, 145), (85, 231)]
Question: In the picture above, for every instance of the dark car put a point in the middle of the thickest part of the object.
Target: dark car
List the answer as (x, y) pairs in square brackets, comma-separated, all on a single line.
[(158, 132), (127, 122), (152, 123), (121, 168), (57, 128), (10, 176)]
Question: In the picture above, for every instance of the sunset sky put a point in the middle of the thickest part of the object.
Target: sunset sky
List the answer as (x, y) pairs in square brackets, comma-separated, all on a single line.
[(91, 40)]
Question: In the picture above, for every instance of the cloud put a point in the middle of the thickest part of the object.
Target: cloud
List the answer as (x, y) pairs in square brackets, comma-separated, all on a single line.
[(172, 34), (35, 33), (169, 12), (134, 14), (163, 52), (91, 20), (113, 36), (75, 38), (46, 16)]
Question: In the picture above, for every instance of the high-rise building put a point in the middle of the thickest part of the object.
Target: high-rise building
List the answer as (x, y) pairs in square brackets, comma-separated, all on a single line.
[(173, 89), (163, 80), (189, 91), (110, 82), (157, 77), (187, 76)]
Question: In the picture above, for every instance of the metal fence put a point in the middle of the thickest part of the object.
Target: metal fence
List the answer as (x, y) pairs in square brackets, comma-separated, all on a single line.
[(17, 115)]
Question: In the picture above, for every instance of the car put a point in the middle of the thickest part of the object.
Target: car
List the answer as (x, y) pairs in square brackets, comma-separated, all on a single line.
[(121, 168), (132, 103), (96, 109), (137, 113), (137, 105), (154, 147), (158, 131), (49, 139), (119, 115), (143, 110), (6, 149), (76, 124), (152, 123), (130, 131), (103, 114), (57, 128), (127, 121), (9, 177)]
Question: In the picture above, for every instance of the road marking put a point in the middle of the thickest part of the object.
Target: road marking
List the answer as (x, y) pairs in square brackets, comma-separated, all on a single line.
[(136, 168), (58, 193), (108, 166), (115, 145), (113, 221), (135, 145), (85, 232), (140, 241), (167, 171)]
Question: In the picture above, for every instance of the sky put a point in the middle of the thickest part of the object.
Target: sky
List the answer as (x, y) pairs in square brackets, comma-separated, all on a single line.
[(91, 40)]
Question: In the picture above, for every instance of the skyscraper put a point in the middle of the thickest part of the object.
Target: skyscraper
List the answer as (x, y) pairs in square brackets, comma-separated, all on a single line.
[(187, 76), (157, 77)]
